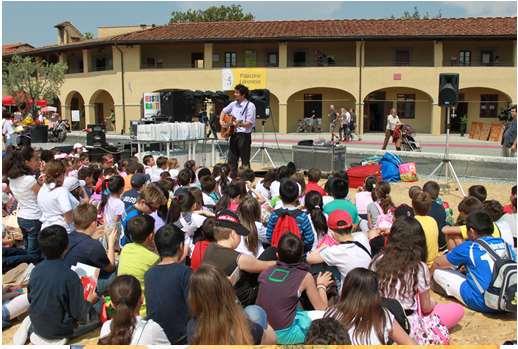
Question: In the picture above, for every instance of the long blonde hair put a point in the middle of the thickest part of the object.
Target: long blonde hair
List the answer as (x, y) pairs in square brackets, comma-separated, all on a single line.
[(220, 320)]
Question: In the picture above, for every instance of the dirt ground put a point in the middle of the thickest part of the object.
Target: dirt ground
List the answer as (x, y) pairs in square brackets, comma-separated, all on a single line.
[(474, 328)]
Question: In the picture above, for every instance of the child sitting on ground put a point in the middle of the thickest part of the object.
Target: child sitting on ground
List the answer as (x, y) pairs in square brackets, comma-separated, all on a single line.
[(138, 256), (327, 331), (208, 188), (421, 203), (478, 191), (56, 296), (363, 196), (287, 280), (314, 175), (167, 285)]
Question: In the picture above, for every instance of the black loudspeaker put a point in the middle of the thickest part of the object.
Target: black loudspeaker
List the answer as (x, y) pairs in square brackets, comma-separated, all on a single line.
[(133, 128), (448, 89), (39, 134), (97, 137), (261, 100), (306, 142), (179, 105)]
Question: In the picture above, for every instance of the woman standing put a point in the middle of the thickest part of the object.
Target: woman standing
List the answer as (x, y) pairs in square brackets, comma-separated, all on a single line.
[(20, 167), (392, 122)]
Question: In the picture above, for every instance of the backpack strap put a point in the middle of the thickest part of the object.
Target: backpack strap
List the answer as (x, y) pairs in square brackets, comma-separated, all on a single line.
[(488, 249), (359, 245)]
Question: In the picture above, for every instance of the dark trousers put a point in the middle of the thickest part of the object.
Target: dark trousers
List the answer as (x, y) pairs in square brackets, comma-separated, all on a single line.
[(388, 134), (12, 256), (30, 229), (239, 147)]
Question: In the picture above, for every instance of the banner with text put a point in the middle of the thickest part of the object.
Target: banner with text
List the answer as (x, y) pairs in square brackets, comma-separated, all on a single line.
[(253, 78)]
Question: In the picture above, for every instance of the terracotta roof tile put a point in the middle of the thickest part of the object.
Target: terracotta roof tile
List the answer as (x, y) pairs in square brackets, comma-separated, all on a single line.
[(321, 29), (14, 48)]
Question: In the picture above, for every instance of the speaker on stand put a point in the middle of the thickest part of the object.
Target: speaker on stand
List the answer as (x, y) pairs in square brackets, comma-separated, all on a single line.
[(261, 100)]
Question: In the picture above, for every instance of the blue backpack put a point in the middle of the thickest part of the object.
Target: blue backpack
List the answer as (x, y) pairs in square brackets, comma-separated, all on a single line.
[(389, 165)]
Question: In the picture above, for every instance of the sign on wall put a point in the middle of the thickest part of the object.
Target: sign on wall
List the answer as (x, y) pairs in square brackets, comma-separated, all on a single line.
[(253, 78), (76, 116), (151, 104)]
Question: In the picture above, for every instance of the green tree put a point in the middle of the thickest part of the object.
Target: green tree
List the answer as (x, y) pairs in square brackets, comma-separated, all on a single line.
[(416, 14), (88, 35), (212, 14), (27, 78)]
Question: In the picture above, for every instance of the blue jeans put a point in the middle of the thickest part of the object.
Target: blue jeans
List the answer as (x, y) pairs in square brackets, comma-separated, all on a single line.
[(30, 230), (12, 256), (257, 314)]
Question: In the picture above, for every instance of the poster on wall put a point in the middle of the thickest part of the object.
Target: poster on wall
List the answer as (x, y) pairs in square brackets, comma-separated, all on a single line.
[(151, 104), (76, 116), (253, 78)]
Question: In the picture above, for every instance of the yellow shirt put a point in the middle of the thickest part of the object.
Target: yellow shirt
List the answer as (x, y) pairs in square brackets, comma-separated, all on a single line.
[(431, 233), (464, 231), (136, 259)]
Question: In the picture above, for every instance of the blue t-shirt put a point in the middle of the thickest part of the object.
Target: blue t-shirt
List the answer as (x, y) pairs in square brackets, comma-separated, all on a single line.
[(130, 198), (166, 291), (132, 212), (480, 264)]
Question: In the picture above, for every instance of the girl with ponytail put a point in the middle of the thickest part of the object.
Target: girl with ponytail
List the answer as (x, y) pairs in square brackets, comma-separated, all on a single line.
[(382, 203), (313, 203), (126, 327), (249, 212), (112, 207)]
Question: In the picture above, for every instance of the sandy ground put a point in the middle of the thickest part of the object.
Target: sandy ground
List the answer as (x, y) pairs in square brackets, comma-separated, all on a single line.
[(474, 328)]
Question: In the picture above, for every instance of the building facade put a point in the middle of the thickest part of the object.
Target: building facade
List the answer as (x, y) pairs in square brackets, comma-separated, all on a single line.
[(368, 65)]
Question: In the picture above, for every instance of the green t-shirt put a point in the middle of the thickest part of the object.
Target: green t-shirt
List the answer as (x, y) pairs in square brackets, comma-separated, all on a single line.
[(344, 205), (136, 259)]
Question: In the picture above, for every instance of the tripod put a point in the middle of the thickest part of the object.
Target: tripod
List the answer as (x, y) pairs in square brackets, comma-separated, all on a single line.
[(449, 171), (263, 150)]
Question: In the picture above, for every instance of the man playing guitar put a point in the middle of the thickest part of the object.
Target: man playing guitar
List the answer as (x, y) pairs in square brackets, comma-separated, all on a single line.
[(243, 113)]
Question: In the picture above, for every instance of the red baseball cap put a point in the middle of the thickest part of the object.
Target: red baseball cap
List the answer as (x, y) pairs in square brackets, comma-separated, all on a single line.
[(339, 219)]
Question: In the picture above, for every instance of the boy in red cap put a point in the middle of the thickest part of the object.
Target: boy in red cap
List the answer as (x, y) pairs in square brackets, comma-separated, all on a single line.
[(352, 251)]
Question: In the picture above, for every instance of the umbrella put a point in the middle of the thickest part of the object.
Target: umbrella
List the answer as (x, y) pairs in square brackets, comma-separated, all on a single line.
[(41, 103), (49, 108), (8, 100)]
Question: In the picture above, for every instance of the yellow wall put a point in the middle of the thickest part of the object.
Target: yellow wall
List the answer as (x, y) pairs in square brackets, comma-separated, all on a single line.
[(283, 83), (502, 49), (261, 51), (343, 52), (103, 32), (383, 53), (172, 56)]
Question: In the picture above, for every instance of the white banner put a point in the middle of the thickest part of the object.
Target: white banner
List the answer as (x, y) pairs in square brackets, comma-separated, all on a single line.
[(76, 116)]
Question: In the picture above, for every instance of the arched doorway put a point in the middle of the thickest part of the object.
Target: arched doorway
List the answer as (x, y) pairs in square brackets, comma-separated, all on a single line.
[(413, 106), (75, 110), (318, 100), (477, 104), (103, 107)]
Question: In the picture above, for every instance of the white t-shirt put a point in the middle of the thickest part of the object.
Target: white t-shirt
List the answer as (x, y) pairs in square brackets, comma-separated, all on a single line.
[(7, 128), (373, 337), (263, 191), (261, 233), (145, 333), (423, 284), (189, 223), (274, 188), (362, 200), (159, 222), (510, 218), (155, 173), (207, 200), (392, 121), (114, 207), (348, 256), (21, 188), (174, 173), (53, 205), (506, 227)]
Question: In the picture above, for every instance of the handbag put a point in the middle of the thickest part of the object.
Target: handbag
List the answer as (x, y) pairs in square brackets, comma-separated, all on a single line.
[(427, 329)]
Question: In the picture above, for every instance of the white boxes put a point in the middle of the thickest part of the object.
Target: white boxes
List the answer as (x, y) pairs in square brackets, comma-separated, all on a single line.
[(167, 132)]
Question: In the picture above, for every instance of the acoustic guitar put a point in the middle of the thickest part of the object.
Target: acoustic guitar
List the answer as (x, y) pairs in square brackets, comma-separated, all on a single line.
[(228, 128)]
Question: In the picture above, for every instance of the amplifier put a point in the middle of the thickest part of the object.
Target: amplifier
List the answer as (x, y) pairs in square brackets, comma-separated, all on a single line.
[(327, 159)]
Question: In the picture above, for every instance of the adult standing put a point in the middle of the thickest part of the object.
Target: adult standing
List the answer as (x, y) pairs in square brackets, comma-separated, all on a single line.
[(244, 114), (352, 124), (333, 122), (392, 122), (509, 136), (111, 120), (20, 168)]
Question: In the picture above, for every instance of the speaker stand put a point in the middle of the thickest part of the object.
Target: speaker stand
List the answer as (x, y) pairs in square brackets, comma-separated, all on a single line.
[(262, 149), (449, 170)]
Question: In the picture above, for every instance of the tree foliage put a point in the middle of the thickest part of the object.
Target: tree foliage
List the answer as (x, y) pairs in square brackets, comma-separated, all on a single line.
[(27, 78), (212, 14), (416, 14), (88, 35)]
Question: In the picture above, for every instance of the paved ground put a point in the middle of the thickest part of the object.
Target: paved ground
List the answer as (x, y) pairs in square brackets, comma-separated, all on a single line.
[(429, 143)]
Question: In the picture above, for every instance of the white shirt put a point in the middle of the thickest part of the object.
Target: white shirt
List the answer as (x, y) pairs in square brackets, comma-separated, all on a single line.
[(53, 205), (155, 173), (241, 248), (263, 191), (174, 173), (274, 188), (348, 256), (506, 227), (7, 128), (392, 121), (238, 111), (114, 207), (145, 333), (207, 200), (21, 188)]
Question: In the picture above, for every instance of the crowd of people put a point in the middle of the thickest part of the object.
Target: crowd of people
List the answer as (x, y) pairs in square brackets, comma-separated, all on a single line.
[(192, 255)]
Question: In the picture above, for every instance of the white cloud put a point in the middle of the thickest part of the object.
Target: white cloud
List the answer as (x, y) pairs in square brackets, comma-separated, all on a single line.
[(486, 9)]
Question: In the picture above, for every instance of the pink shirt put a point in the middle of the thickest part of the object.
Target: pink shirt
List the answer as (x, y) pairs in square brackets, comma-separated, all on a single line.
[(363, 199)]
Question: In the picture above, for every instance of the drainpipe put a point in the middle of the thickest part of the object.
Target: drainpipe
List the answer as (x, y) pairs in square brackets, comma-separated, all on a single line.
[(123, 93), (360, 100)]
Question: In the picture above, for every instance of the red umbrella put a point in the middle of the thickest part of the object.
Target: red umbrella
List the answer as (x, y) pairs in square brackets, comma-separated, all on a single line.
[(8, 100), (41, 103)]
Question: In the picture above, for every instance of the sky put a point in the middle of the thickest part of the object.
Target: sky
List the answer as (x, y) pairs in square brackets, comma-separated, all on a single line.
[(33, 21)]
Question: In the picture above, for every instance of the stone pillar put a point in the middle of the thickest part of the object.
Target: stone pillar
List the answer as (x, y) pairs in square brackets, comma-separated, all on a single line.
[(283, 118), (62, 57), (86, 61), (208, 48), (437, 54), (283, 54), (360, 63), (435, 125)]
